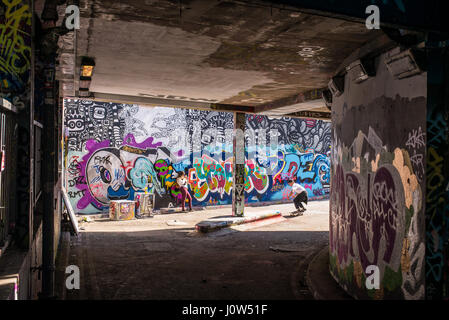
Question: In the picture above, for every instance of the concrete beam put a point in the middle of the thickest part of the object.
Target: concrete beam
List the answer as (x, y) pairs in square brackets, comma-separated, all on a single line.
[(232, 108), (151, 101), (174, 103), (311, 114), (297, 99)]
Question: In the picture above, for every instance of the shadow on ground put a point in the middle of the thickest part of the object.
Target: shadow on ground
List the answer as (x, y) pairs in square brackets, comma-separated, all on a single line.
[(147, 259), (175, 264)]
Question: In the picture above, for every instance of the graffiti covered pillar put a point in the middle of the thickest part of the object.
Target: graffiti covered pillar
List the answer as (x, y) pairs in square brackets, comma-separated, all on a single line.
[(377, 206), (238, 162), (437, 172)]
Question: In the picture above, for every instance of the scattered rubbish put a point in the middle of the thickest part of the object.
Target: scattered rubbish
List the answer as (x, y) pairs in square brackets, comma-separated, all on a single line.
[(176, 223), (87, 219)]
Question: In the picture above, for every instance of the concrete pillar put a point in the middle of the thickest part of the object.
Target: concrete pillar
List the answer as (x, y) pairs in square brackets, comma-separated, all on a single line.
[(377, 206), (238, 161), (49, 165), (437, 173)]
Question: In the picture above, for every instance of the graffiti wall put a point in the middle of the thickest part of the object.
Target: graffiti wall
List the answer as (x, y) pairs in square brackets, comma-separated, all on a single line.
[(15, 66), (15, 44), (115, 150), (378, 186)]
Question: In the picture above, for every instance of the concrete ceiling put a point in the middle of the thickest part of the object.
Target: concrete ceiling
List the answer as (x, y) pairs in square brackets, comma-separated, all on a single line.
[(223, 52)]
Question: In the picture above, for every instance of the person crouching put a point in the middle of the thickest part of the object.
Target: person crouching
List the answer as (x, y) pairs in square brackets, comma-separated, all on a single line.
[(301, 196)]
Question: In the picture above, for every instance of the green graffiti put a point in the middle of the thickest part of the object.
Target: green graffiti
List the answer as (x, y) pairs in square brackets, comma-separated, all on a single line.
[(408, 217), (392, 280)]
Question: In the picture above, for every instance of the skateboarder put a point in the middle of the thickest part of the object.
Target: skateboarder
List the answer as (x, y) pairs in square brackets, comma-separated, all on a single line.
[(301, 196)]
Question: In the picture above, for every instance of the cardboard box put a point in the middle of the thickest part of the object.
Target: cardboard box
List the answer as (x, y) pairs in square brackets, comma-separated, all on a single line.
[(122, 210)]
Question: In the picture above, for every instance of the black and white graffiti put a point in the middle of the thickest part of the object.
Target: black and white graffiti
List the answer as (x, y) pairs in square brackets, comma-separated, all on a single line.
[(86, 119), (304, 133)]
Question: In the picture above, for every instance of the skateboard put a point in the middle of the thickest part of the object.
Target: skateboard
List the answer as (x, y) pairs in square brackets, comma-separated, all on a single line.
[(296, 213)]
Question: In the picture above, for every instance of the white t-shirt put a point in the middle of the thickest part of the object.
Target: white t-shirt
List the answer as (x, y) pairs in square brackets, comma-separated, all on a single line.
[(297, 188)]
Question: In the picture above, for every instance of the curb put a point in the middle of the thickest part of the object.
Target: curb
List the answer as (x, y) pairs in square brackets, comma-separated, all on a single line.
[(209, 226), (101, 215), (319, 280)]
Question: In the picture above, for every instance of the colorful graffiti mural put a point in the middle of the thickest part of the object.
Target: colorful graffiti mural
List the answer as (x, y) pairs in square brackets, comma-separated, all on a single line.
[(105, 161)]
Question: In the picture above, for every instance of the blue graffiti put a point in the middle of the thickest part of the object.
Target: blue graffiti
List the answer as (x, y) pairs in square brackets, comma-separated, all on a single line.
[(121, 193), (143, 175)]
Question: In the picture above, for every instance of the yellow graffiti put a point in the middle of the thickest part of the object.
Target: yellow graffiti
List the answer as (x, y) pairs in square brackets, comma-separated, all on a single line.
[(358, 271), (412, 190), (15, 53), (405, 255)]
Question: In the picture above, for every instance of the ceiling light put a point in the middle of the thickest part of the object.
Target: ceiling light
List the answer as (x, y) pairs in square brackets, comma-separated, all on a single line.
[(87, 67)]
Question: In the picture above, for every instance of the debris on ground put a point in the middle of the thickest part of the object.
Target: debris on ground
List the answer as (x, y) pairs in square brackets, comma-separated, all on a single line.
[(176, 223), (287, 249), (87, 219)]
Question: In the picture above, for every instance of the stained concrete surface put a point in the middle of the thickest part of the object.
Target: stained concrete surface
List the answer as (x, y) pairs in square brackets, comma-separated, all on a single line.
[(212, 51), (148, 259)]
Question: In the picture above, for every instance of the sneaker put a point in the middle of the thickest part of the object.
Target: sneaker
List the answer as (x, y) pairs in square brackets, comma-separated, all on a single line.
[(296, 213)]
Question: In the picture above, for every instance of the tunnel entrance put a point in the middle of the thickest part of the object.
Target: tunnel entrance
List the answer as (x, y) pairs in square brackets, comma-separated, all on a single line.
[(205, 88)]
